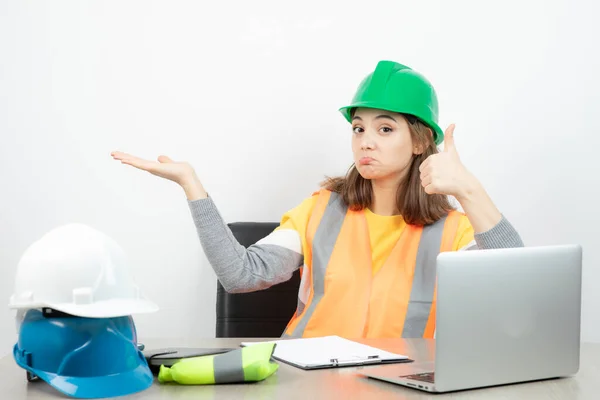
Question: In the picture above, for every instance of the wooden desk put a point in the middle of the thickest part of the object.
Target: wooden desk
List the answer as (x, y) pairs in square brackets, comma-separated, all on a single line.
[(337, 384)]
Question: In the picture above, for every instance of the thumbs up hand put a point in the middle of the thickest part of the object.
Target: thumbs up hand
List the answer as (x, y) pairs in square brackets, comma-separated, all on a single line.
[(444, 173)]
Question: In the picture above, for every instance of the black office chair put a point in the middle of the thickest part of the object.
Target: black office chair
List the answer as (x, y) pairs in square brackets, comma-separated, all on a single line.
[(264, 313)]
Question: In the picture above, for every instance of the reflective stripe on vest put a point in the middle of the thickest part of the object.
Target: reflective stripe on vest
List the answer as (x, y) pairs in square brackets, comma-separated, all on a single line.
[(421, 295), (228, 367), (418, 320), (323, 244)]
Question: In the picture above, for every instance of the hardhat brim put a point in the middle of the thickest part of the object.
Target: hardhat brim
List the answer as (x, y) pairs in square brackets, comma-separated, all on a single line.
[(346, 112), (100, 309), (121, 384)]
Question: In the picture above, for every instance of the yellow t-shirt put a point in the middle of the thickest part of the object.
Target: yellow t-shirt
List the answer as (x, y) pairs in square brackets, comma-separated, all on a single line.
[(384, 231)]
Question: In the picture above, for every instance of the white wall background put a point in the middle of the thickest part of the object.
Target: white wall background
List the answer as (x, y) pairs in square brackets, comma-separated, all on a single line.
[(248, 93)]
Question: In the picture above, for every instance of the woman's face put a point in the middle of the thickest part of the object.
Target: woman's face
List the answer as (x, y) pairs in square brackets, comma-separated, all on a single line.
[(381, 143)]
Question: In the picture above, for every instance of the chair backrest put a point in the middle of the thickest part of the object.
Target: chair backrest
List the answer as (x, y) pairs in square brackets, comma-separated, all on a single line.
[(264, 313)]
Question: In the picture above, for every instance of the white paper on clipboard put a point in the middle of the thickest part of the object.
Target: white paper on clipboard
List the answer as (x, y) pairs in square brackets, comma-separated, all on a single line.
[(329, 351)]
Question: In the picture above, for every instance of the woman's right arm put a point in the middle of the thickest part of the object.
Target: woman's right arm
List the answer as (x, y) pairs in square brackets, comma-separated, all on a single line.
[(270, 261)]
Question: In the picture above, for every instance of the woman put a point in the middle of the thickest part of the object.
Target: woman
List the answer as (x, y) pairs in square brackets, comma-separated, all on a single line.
[(366, 242)]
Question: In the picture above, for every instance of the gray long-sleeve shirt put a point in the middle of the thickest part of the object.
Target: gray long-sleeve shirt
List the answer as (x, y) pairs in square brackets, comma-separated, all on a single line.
[(274, 259)]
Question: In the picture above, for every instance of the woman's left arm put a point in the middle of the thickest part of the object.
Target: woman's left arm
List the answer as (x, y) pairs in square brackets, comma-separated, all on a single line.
[(492, 229), (444, 173)]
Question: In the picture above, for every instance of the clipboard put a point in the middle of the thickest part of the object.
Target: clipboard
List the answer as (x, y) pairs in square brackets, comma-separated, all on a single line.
[(330, 352)]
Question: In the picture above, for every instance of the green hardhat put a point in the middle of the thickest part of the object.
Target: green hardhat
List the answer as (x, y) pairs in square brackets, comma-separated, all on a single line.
[(397, 88)]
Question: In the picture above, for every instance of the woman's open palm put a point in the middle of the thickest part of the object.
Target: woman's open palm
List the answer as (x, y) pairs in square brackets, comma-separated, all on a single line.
[(178, 172)]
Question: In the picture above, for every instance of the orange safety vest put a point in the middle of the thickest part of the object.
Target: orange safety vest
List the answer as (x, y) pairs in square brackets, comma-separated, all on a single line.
[(346, 299)]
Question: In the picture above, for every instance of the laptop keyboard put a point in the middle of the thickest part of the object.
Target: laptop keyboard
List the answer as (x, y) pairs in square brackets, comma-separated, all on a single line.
[(424, 377)]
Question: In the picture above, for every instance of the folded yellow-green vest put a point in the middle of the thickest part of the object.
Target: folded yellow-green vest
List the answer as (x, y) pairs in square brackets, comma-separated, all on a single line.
[(248, 364)]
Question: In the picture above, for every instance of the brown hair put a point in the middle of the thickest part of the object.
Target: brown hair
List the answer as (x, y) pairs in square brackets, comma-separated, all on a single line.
[(415, 206)]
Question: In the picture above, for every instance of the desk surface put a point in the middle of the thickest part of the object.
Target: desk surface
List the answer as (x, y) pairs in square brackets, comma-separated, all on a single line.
[(342, 383)]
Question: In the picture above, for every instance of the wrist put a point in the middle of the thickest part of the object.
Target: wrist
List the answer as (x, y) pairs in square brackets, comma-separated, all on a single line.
[(479, 208), (193, 188), (470, 191)]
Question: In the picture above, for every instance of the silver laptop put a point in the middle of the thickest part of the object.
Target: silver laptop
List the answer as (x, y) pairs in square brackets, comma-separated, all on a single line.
[(502, 316)]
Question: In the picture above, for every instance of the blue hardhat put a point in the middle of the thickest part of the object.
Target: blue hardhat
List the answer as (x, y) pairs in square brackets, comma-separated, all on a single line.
[(83, 357)]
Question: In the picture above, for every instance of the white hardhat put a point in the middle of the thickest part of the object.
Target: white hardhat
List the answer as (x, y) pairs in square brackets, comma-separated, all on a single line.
[(79, 271)]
